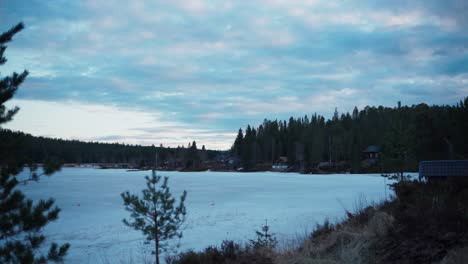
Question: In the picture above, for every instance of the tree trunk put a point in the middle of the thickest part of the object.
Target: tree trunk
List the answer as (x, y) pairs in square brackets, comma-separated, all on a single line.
[(156, 237), (157, 249)]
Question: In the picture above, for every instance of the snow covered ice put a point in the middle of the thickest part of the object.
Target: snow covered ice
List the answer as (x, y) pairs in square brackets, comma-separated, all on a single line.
[(220, 206)]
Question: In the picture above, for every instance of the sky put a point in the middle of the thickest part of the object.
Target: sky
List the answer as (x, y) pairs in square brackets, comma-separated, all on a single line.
[(169, 72)]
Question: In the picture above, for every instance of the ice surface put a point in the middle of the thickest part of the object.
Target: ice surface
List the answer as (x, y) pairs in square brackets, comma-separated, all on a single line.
[(220, 205)]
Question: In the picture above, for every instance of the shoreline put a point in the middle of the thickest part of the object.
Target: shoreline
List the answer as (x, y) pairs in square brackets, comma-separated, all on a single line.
[(94, 166)]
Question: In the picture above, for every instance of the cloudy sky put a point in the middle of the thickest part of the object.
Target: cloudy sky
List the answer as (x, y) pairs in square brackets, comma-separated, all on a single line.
[(169, 72)]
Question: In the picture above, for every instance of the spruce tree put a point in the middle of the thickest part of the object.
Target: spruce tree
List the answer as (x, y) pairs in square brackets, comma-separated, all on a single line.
[(194, 145), (264, 240), (155, 214), (21, 220), (237, 147)]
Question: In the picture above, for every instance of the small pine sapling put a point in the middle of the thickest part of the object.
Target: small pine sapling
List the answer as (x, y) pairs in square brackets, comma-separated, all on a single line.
[(155, 214), (264, 239)]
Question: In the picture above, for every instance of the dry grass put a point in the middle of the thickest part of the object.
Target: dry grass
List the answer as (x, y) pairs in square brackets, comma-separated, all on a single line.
[(347, 242), (410, 228)]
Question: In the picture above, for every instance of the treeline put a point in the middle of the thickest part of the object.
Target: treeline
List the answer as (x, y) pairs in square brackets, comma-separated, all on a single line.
[(410, 133), (40, 149)]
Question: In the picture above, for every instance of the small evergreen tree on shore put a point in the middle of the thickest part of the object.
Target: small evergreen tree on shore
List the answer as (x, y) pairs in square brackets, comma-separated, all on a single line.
[(21, 220), (264, 239), (155, 214)]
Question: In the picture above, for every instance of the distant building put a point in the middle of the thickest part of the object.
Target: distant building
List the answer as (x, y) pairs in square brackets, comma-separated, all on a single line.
[(443, 169), (282, 160), (372, 152), (281, 164), (233, 163), (222, 157), (325, 165), (174, 163)]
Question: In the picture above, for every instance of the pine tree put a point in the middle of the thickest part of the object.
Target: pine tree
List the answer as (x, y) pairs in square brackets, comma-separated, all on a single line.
[(194, 145), (203, 154), (335, 115), (398, 142), (355, 113), (155, 213), (21, 220), (9, 84), (193, 157), (237, 147), (265, 240), (246, 155)]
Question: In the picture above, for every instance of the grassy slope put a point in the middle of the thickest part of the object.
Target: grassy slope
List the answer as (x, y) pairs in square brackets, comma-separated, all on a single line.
[(424, 223)]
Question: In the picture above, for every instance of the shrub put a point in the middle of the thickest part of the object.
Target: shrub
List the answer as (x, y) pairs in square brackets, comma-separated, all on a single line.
[(264, 240), (228, 253)]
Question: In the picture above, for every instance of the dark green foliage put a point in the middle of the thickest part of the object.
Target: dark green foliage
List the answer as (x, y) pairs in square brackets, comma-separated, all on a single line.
[(259, 251), (398, 147), (228, 253), (409, 133), (9, 84), (193, 156), (155, 214), (39, 149), (264, 239), (21, 220), (237, 147)]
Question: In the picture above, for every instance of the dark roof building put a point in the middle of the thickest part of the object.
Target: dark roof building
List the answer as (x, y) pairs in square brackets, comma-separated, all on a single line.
[(372, 152), (372, 149), (443, 168)]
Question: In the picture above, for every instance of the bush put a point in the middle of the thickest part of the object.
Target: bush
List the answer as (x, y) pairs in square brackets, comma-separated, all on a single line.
[(228, 253), (430, 219), (322, 229), (264, 240)]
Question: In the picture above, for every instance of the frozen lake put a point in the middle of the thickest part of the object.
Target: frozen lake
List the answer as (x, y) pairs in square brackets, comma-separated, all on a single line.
[(220, 205)]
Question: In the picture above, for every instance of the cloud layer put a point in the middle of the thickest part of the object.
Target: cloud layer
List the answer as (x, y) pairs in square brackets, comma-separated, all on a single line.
[(214, 66)]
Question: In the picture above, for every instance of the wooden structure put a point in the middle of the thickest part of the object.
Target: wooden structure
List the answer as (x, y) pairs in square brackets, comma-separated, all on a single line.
[(372, 152), (435, 170), (281, 164)]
